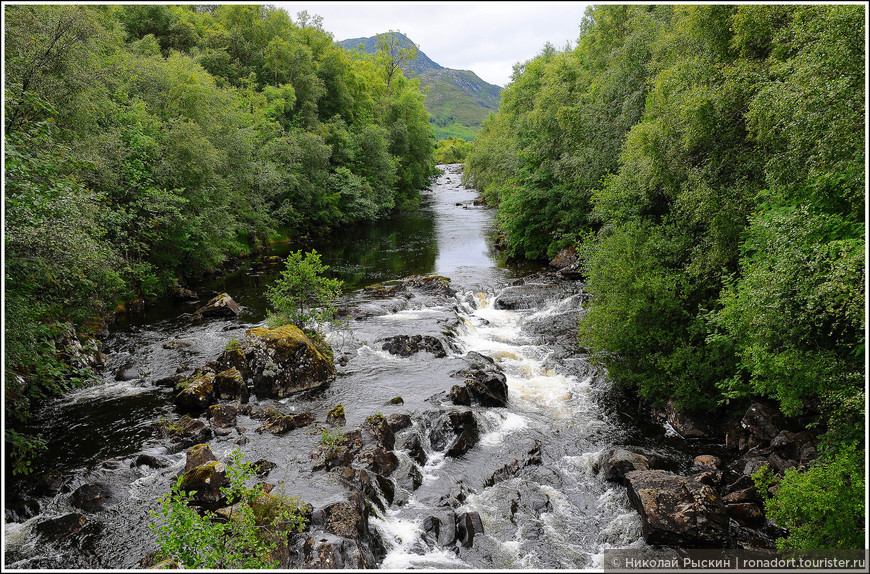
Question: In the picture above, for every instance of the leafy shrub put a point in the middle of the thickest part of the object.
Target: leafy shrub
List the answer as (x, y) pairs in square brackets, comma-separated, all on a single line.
[(302, 296), (245, 538)]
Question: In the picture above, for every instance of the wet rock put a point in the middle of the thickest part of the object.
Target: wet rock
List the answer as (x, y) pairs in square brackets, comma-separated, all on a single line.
[(456, 432), (567, 263), (441, 527), (376, 431), (398, 401), (488, 388), (222, 416), (748, 464), (176, 345), (284, 361), (20, 508), (150, 460), (712, 478), (745, 495), (735, 438), (346, 519), (706, 462), (398, 422), (468, 524), (197, 394), (170, 381), (50, 484), (687, 424), (762, 421), (128, 372), (113, 464), (286, 423), (415, 450), (620, 461), (219, 306), (677, 511), (532, 456), (229, 385), (56, 529), (96, 497), (362, 481), (263, 467), (185, 432), (335, 416), (322, 552), (233, 357), (338, 454), (405, 345), (459, 396), (184, 295), (206, 481), (746, 513), (379, 460), (198, 455), (410, 479)]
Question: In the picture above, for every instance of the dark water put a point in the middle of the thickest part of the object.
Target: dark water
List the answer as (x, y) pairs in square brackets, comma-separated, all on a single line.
[(557, 514)]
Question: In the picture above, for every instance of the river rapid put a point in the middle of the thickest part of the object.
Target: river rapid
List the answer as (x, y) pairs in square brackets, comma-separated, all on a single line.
[(552, 509)]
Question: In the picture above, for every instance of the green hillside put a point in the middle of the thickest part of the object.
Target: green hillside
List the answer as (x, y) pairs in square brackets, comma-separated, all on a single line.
[(458, 100)]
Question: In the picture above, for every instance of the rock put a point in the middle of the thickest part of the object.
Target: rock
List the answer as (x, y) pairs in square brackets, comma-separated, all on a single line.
[(687, 424), (712, 478), (20, 508), (677, 511), (468, 524), (176, 345), (379, 460), (735, 437), (441, 527), (620, 461), (405, 346), (335, 417), (222, 416), (346, 519), (96, 497), (415, 450), (376, 431), (286, 423), (564, 258), (706, 462), (182, 294), (197, 394), (229, 385), (411, 479), (128, 372), (762, 421), (233, 357), (263, 467), (488, 388), (334, 552), (198, 455), (398, 422), (56, 529), (170, 381), (456, 432), (206, 480), (746, 513), (185, 432), (150, 460), (459, 396), (219, 306), (340, 454), (746, 495), (398, 401), (532, 456), (50, 484), (284, 361)]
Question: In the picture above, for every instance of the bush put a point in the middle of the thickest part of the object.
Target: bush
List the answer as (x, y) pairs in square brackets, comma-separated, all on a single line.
[(246, 538), (302, 296)]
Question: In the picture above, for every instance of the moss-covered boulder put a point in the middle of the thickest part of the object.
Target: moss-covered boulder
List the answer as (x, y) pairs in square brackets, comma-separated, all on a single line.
[(197, 394), (198, 455), (285, 360), (230, 386), (205, 481)]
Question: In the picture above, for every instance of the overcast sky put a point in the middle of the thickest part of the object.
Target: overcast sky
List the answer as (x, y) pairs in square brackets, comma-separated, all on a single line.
[(487, 38)]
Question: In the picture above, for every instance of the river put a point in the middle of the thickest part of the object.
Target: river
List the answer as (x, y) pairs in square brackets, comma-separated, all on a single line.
[(554, 510)]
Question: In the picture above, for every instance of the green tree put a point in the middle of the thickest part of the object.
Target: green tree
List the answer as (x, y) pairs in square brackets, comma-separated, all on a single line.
[(302, 296)]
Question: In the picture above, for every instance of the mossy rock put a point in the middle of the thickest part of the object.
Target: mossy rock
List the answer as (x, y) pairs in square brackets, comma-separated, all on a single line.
[(285, 360), (198, 393), (206, 481), (229, 385)]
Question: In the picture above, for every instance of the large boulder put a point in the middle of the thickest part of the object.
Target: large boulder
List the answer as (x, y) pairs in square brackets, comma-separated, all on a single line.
[(763, 422), (96, 497), (220, 306), (455, 432), (620, 461), (197, 394), (229, 385), (284, 361), (487, 388), (405, 345), (206, 481), (677, 510)]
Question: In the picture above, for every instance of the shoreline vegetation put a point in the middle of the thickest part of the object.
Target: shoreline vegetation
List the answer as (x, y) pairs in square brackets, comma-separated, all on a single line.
[(706, 164), (147, 144)]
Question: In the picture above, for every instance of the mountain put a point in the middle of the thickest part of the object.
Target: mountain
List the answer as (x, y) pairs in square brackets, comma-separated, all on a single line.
[(457, 100)]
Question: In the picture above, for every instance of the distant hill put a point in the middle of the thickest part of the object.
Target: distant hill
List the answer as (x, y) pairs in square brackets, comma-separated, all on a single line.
[(458, 100)]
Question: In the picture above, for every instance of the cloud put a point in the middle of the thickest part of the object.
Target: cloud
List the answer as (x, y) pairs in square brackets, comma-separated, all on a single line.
[(485, 37)]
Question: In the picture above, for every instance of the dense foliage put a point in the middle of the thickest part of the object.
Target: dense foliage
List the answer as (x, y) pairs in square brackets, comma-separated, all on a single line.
[(246, 537), (148, 143), (452, 150), (302, 295), (708, 163)]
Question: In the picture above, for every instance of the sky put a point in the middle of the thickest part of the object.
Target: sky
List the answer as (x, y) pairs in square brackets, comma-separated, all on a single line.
[(487, 38)]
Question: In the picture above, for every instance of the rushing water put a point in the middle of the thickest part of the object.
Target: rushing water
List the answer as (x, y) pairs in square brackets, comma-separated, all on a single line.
[(556, 513)]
